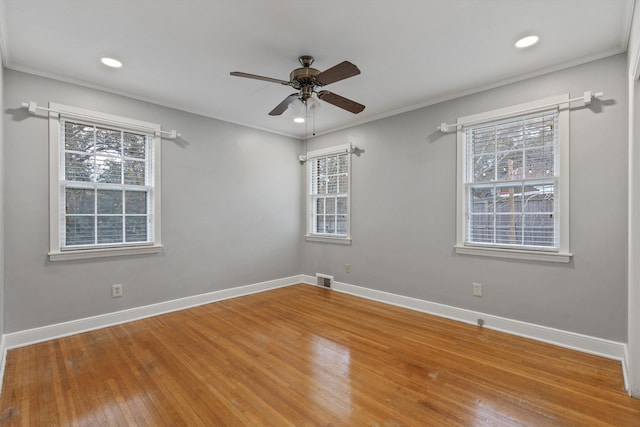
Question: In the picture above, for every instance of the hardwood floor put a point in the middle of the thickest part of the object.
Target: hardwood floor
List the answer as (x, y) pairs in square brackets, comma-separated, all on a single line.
[(307, 356)]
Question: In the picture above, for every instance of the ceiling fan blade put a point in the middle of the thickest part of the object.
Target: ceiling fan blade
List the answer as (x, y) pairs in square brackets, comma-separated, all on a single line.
[(336, 73), (282, 107), (340, 101), (256, 77)]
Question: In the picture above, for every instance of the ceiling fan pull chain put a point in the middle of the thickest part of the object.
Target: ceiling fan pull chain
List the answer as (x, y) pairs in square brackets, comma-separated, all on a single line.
[(314, 123)]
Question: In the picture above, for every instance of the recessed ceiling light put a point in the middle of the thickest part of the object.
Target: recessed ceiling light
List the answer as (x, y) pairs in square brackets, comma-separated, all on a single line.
[(110, 62), (527, 41), (299, 119)]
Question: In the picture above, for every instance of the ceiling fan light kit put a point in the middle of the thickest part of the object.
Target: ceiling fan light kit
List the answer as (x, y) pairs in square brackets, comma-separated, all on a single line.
[(309, 81)]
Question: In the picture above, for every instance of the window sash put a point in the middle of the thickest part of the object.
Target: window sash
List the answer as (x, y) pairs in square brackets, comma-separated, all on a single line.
[(511, 174), (520, 227), (132, 214), (94, 146)]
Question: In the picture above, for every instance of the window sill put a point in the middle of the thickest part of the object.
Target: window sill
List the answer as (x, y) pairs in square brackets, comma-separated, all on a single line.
[(327, 239), (563, 257), (103, 252)]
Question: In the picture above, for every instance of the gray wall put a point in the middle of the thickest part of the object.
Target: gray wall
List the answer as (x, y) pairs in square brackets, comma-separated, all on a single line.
[(403, 211), (230, 211)]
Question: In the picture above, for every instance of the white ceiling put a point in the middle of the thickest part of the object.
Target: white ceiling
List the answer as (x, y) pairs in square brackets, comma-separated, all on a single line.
[(411, 53)]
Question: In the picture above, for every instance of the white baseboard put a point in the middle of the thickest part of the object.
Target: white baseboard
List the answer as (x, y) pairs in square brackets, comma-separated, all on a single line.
[(584, 343), (59, 330)]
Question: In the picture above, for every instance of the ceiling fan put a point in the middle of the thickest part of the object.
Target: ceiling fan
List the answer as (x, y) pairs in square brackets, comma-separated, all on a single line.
[(309, 81)]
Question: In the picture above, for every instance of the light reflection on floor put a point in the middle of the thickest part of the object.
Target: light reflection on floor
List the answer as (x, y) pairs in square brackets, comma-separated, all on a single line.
[(332, 379)]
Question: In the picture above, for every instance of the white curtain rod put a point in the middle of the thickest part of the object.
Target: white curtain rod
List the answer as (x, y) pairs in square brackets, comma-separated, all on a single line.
[(352, 149), (586, 98), (33, 107)]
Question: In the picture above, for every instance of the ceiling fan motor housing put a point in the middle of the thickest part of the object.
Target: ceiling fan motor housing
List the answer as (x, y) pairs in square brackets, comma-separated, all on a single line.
[(305, 77)]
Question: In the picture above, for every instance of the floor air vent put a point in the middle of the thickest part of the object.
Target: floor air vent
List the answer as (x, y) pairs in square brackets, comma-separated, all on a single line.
[(324, 280)]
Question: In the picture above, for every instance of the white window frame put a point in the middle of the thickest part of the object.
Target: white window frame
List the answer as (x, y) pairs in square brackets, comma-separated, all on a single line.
[(562, 254), (327, 238), (61, 112)]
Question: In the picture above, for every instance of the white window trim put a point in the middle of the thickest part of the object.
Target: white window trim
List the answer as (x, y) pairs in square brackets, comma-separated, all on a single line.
[(311, 237), (55, 210), (563, 253)]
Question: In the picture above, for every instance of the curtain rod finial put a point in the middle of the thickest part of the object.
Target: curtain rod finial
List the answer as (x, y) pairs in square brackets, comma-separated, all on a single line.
[(31, 105), (444, 127)]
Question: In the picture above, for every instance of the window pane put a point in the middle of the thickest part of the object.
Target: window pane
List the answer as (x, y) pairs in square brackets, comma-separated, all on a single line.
[(109, 229), (509, 229), (109, 202), (77, 167), (319, 205), (79, 201), (330, 224), (108, 141), (484, 142), (482, 200), (341, 224), (322, 185), (481, 228), (134, 172), (136, 202), (509, 137), (80, 230), (538, 131), (538, 230), (136, 228), (332, 165), (332, 185), (78, 137), (321, 166), (330, 205), (509, 198), (343, 184), (484, 168), (539, 162), (539, 198), (510, 166), (342, 164), (319, 224), (342, 205), (134, 145), (108, 170)]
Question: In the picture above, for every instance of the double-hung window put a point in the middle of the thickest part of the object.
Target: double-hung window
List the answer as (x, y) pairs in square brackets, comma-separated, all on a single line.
[(329, 190), (104, 185), (513, 182)]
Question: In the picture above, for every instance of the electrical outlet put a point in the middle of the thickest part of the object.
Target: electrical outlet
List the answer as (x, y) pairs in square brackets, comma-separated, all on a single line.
[(116, 291), (347, 268), (477, 289)]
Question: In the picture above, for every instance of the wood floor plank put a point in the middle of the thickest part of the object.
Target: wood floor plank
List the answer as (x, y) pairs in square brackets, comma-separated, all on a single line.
[(308, 356)]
